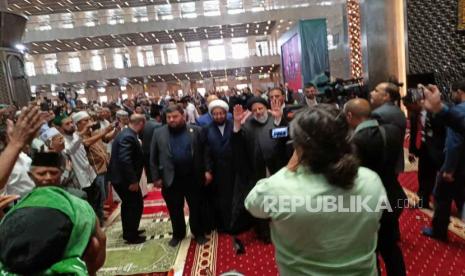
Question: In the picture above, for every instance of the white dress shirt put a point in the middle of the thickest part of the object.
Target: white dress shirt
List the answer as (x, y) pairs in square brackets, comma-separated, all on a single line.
[(192, 114)]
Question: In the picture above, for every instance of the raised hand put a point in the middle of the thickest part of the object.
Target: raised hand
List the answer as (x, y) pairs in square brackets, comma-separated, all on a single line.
[(432, 101), (238, 113), (276, 111), (26, 126)]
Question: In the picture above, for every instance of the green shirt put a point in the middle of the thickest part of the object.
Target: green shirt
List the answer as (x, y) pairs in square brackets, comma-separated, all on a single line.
[(316, 242)]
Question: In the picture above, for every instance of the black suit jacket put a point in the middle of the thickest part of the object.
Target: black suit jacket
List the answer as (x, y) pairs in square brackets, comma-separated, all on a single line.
[(147, 135), (381, 156), (126, 162), (391, 114), (435, 136), (161, 160)]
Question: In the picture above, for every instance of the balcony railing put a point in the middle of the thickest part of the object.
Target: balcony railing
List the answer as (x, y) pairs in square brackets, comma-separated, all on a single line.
[(122, 16), (110, 64)]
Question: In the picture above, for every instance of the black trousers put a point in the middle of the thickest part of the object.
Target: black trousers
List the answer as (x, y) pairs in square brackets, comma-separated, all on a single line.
[(427, 172), (444, 193), (184, 187), (132, 206), (388, 247)]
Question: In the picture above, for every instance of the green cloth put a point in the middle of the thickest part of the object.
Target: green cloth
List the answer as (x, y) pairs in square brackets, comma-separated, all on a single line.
[(81, 215), (317, 243), (59, 118), (366, 124)]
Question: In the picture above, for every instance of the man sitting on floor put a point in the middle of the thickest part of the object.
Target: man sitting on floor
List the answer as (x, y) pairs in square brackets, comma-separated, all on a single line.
[(51, 232)]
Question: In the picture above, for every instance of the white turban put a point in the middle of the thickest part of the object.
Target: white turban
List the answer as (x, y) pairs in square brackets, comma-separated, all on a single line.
[(49, 134), (218, 103), (121, 113), (80, 116)]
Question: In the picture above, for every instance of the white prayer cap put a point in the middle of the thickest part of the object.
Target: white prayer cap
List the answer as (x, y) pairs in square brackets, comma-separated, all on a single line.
[(218, 103), (80, 116), (121, 113), (49, 134)]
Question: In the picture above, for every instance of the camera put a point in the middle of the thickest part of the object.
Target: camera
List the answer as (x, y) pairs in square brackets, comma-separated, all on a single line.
[(414, 95), (340, 91)]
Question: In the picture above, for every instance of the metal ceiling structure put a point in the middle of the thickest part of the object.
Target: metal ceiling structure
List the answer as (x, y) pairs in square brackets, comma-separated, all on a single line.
[(151, 38), (190, 76), (42, 7)]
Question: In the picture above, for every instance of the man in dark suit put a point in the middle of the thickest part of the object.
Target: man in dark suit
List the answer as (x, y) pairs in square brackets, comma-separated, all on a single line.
[(385, 101), (126, 166), (451, 178), (178, 162), (146, 137), (427, 138), (378, 148)]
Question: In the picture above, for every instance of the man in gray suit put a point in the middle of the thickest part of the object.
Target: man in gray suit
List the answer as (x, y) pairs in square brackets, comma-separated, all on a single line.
[(385, 102), (178, 162)]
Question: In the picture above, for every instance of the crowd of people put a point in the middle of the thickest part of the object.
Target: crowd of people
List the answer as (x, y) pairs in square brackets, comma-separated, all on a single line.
[(219, 154)]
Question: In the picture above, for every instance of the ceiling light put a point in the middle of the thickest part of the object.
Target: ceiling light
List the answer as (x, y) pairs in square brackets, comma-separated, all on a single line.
[(269, 22), (20, 47), (281, 21)]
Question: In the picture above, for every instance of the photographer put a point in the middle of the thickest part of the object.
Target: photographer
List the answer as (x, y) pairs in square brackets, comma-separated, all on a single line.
[(452, 174), (427, 138), (93, 138), (451, 118)]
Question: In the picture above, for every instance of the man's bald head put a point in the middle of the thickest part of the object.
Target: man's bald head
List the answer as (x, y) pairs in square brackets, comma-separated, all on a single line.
[(358, 107), (357, 111)]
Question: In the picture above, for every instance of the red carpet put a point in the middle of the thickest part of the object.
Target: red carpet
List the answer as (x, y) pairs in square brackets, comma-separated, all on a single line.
[(423, 256)]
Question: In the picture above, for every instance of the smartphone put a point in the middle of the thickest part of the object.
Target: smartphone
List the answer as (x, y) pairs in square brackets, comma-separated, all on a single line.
[(116, 124), (280, 132), (95, 126), (44, 106)]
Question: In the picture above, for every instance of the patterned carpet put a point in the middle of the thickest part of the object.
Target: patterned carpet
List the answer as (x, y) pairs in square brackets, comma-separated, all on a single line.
[(423, 256), (155, 256)]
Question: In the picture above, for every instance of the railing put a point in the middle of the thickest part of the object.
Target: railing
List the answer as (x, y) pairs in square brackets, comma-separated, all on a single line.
[(105, 65), (121, 16)]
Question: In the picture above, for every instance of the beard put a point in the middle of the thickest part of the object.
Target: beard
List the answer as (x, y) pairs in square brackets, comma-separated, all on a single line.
[(220, 123), (261, 119), (69, 132)]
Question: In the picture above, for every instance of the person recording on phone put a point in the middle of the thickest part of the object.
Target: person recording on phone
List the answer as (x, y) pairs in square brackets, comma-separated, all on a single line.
[(427, 138), (450, 117), (262, 155), (94, 140), (452, 174)]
